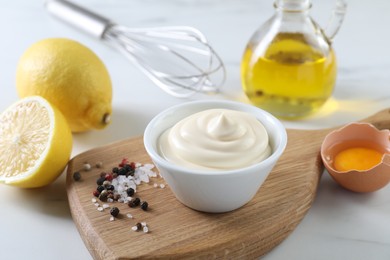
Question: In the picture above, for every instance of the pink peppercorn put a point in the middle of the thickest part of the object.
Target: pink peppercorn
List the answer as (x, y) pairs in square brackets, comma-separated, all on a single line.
[(109, 177), (124, 162), (96, 193), (132, 165)]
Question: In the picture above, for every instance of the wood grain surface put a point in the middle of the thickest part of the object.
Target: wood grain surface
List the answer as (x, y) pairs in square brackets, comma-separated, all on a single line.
[(180, 232)]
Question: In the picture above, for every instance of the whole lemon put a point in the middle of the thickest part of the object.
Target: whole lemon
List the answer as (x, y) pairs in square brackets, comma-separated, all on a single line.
[(71, 77)]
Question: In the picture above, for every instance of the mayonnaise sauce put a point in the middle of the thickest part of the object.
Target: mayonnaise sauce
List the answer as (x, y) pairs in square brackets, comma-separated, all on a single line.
[(216, 139)]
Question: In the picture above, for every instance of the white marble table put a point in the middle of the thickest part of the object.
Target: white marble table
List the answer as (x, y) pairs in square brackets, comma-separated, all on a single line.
[(36, 224)]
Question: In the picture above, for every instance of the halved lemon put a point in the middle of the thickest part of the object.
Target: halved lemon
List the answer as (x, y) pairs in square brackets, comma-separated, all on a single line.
[(35, 143)]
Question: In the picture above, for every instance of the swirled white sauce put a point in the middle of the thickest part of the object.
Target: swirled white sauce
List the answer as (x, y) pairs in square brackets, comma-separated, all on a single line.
[(216, 139)]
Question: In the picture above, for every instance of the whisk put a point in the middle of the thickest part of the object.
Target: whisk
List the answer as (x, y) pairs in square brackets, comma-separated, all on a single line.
[(178, 59)]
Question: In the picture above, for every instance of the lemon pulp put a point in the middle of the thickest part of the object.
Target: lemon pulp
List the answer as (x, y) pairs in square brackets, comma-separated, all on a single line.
[(35, 143)]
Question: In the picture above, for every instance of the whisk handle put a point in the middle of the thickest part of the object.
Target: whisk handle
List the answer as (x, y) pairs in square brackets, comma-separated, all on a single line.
[(79, 17)]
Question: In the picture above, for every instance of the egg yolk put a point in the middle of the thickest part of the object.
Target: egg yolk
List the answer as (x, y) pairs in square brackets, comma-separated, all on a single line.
[(357, 158)]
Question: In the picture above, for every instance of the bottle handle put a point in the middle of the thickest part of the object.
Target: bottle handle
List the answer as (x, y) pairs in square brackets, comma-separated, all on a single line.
[(336, 19)]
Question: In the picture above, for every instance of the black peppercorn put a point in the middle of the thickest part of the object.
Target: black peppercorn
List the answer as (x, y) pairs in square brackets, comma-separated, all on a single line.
[(144, 206), (110, 187), (76, 176), (122, 171), (134, 203), (128, 167), (114, 211), (100, 181), (100, 188), (137, 201), (130, 192), (129, 170), (139, 226)]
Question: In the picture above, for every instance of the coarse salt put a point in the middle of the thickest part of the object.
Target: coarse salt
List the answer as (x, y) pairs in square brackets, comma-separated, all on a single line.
[(87, 167), (121, 183), (149, 166), (134, 228)]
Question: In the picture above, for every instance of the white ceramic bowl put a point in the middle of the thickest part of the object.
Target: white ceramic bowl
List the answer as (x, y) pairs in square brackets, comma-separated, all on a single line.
[(214, 191)]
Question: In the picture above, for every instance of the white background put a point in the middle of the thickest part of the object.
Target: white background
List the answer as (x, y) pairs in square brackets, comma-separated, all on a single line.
[(36, 224)]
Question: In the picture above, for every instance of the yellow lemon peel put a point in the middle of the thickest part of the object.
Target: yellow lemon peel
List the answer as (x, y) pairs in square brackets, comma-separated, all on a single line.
[(71, 77)]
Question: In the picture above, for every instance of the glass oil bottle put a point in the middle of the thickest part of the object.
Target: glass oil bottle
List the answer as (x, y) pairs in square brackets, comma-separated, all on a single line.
[(289, 66)]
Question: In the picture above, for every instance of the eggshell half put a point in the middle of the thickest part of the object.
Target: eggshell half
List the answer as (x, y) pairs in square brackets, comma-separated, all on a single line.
[(353, 135)]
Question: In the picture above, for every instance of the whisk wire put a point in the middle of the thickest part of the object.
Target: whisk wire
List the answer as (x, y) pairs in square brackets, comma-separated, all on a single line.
[(184, 33), (178, 59), (194, 81), (176, 89)]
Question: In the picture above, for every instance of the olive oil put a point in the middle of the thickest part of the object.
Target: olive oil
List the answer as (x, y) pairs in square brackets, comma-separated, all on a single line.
[(290, 78)]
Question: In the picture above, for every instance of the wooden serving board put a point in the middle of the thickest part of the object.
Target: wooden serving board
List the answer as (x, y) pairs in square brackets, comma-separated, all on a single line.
[(180, 232)]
